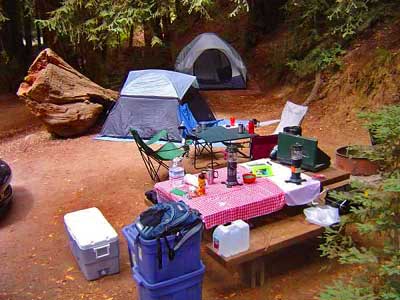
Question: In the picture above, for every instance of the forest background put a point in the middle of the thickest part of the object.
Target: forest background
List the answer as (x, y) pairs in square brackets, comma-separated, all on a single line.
[(104, 39)]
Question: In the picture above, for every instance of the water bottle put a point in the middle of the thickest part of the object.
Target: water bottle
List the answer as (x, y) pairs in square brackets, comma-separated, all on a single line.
[(243, 242), (231, 239), (222, 242), (176, 172)]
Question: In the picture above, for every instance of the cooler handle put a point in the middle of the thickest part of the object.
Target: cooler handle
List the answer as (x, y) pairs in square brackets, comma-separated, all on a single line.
[(107, 247)]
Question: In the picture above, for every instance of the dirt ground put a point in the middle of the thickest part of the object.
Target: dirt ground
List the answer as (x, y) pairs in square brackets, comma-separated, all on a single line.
[(54, 177)]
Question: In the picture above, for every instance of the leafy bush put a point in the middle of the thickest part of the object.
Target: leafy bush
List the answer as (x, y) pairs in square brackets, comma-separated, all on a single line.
[(323, 25), (384, 126), (317, 60), (341, 18), (376, 216)]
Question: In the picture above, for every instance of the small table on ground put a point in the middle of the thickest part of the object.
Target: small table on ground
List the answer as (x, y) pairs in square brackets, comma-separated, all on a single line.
[(218, 134)]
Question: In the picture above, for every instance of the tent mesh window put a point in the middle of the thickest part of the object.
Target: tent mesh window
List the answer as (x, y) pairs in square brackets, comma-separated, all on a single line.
[(212, 66)]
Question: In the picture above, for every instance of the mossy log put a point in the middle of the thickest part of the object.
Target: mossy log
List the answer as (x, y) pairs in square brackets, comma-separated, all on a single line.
[(67, 102)]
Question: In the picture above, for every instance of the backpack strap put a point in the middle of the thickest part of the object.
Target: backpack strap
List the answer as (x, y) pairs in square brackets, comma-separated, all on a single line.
[(188, 235), (171, 252), (159, 253)]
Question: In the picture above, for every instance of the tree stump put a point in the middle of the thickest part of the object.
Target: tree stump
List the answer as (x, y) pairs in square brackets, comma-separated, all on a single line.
[(67, 102)]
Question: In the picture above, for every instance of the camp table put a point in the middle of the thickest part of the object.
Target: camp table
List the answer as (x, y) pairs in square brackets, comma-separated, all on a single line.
[(221, 204), (218, 134), (272, 232)]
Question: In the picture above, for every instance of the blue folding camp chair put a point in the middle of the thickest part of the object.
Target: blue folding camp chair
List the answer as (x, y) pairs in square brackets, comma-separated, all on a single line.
[(188, 125)]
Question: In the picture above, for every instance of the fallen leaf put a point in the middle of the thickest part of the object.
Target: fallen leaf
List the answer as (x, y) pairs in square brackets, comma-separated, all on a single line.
[(69, 277)]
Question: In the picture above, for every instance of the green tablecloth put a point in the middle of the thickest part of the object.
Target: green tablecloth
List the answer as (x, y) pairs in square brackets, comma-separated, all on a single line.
[(221, 134)]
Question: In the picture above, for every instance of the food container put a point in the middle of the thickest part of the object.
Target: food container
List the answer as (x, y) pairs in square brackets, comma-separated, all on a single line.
[(249, 178)]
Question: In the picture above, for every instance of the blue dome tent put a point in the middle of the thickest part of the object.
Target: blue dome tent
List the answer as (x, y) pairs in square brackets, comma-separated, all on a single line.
[(149, 101)]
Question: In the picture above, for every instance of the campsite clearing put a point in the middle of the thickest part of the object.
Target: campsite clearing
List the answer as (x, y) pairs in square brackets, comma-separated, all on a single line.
[(53, 177)]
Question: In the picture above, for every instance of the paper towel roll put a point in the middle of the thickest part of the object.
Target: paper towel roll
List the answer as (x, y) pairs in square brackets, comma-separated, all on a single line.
[(191, 179)]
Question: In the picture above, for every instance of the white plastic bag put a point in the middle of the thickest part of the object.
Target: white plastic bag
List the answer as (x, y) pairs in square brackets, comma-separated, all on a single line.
[(322, 215)]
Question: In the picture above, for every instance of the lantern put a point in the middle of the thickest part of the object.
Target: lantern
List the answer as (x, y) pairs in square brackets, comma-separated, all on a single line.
[(296, 156), (232, 166)]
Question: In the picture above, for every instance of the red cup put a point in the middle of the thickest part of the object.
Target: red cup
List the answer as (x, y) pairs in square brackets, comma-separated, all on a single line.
[(232, 119), (250, 127)]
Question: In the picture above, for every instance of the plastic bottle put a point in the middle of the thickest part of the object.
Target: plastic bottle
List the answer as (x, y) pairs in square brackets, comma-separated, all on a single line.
[(177, 172), (201, 190), (221, 240), (244, 235), (251, 127)]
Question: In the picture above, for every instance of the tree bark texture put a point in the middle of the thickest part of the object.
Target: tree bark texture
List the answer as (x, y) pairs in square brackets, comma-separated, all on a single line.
[(314, 92), (66, 101), (12, 38)]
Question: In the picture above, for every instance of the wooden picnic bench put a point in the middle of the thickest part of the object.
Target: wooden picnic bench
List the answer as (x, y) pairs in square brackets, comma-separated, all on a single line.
[(274, 232)]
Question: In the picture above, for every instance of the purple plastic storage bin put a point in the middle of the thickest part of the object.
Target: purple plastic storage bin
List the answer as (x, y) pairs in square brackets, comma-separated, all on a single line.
[(143, 256), (185, 287)]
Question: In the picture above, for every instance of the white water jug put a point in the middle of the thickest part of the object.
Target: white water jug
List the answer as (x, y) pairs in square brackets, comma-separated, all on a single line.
[(232, 238)]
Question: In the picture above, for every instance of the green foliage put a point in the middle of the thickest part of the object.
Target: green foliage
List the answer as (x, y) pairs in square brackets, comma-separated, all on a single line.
[(2, 18), (322, 25), (376, 216), (100, 23), (341, 291), (317, 60), (343, 18), (105, 22), (384, 126), (198, 6), (240, 6)]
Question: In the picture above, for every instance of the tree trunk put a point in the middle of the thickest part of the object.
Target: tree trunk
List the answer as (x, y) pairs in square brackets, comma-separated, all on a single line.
[(28, 37), (38, 36), (131, 36), (13, 38), (314, 92), (148, 33), (65, 100)]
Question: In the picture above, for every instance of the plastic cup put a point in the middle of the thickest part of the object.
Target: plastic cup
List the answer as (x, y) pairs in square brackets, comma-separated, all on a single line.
[(232, 120)]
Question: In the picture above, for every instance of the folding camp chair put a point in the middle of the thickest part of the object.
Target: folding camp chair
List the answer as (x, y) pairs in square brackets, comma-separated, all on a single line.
[(292, 115), (155, 159), (189, 123)]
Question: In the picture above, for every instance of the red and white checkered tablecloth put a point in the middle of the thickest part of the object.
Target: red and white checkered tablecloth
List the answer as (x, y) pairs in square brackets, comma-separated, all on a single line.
[(221, 204)]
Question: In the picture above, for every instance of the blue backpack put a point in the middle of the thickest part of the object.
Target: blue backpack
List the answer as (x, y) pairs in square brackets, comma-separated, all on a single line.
[(165, 219)]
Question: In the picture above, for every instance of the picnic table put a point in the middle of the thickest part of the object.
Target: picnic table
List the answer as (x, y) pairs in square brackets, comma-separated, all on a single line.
[(221, 204), (275, 226), (218, 134)]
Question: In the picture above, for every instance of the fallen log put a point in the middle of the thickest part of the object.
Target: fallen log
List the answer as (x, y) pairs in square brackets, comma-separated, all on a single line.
[(66, 120), (67, 102)]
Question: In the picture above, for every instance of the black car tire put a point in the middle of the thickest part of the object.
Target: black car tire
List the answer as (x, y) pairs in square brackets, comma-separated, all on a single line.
[(5, 200)]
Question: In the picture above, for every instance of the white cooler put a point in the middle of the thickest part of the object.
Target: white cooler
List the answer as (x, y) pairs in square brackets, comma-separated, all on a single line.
[(93, 242)]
